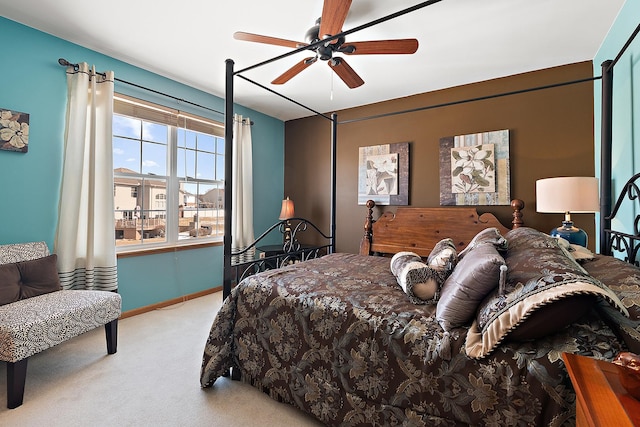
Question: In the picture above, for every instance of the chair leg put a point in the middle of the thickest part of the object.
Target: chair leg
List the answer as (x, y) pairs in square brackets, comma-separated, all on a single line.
[(111, 331), (16, 377)]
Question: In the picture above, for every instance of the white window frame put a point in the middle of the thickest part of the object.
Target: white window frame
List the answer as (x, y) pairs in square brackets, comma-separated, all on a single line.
[(173, 119)]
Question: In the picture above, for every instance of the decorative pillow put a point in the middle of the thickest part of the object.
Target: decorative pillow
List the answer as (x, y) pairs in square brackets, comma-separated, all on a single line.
[(9, 283), (579, 253), (478, 273), (488, 235), (38, 276), (443, 257), (540, 275), (419, 281)]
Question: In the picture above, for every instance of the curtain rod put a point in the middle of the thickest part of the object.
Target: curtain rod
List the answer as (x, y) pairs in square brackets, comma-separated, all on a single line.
[(66, 63), (480, 98)]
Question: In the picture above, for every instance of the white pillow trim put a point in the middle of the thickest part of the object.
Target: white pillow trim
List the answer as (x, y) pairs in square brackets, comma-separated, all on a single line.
[(479, 346)]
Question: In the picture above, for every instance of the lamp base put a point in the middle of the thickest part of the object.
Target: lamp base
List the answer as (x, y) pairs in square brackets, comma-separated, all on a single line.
[(572, 234)]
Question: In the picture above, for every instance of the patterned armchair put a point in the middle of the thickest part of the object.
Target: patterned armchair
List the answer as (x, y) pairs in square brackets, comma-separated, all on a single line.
[(36, 313)]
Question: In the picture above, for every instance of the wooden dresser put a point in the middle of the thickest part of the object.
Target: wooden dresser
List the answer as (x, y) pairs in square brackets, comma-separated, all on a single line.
[(600, 398)]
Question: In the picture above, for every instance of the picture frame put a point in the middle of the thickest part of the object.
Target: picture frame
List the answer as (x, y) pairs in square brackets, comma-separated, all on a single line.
[(14, 130), (474, 169), (383, 174)]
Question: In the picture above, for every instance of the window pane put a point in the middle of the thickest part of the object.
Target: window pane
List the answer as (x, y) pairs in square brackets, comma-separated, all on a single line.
[(154, 158), (188, 215), (213, 205), (220, 168), (126, 126), (186, 138), (206, 166), (140, 218), (220, 145), (126, 154), (206, 143), (186, 163), (202, 210), (155, 132)]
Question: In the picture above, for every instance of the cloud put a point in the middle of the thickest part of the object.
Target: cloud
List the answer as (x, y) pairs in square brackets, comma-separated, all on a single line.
[(149, 163), (118, 151)]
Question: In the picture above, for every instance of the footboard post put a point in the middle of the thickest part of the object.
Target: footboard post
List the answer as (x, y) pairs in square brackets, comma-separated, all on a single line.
[(365, 243)]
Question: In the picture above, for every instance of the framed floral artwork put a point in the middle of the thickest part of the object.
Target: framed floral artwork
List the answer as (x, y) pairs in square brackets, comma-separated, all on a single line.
[(383, 174), (474, 169), (14, 131)]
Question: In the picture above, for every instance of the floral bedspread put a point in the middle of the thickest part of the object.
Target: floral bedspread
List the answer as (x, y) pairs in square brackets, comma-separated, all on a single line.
[(338, 338)]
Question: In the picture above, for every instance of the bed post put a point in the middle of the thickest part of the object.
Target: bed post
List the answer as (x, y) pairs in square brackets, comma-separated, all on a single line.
[(334, 145), (228, 176), (606, 137), (365, 243), (517, 205)]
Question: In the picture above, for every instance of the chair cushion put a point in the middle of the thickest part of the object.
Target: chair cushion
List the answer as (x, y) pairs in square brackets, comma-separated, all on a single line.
[(16, 252), (34, 324)]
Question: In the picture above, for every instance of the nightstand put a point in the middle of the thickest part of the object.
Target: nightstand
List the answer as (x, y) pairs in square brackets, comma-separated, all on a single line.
[(600, 398), (273, 250), (270, 250)]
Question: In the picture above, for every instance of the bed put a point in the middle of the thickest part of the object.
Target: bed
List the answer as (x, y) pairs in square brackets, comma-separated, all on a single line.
[(348, 339), (339, 337)]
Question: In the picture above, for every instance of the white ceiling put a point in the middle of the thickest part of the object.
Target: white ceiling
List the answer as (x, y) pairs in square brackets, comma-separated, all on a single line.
[(461, 41)]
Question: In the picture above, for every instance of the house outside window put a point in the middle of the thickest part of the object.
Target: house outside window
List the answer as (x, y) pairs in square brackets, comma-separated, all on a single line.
[(168, 176)]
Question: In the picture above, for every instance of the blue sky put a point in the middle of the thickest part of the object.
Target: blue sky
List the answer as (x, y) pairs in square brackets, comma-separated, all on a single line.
[(137, 139)]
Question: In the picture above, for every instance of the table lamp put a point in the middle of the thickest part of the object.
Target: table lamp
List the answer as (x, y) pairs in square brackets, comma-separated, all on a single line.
[(287, 210), (286, 213), (576, 194)]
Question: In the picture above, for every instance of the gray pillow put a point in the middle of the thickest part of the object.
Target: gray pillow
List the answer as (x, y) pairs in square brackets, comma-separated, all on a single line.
[(488, 235), (476, 275)]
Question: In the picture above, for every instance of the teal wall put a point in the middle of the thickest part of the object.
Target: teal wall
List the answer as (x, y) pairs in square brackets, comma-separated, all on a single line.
[(31, 81), (626, 106)]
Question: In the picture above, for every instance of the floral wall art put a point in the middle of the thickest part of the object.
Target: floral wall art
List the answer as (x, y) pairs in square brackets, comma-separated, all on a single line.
[(474, 169), (14, 131), (383, 174)]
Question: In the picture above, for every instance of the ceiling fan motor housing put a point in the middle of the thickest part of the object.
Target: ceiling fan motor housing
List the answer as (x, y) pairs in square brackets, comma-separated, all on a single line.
[(324, 51)]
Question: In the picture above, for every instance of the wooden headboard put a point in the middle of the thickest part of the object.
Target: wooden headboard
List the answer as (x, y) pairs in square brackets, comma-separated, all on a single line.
[(419, 229)]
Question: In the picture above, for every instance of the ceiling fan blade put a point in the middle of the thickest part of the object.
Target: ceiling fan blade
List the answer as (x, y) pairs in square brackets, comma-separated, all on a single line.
[(334, 13), (399, 46), (249, 37), (293, 71), (345, 72)]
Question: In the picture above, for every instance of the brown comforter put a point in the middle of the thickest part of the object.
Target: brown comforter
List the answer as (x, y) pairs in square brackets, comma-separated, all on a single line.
[(338, 338)]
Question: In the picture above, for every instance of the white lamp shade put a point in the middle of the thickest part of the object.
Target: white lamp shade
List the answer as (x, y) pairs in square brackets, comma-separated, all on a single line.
[(576, 194)]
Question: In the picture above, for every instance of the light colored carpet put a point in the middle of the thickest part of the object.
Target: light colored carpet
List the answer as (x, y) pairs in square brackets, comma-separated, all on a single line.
[(153, 379)]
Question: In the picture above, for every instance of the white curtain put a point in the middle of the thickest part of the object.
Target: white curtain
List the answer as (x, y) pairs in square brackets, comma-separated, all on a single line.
[(242, 185), (85, 239)]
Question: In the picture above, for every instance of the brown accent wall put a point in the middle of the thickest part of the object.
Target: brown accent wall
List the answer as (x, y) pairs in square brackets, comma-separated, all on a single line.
[(551, 134)]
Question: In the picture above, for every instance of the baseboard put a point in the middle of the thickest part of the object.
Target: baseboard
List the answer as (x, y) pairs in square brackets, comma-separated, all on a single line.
[(163, 304)]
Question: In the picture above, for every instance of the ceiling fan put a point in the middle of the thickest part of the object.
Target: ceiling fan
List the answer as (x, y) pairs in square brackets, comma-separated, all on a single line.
[(334, 13)]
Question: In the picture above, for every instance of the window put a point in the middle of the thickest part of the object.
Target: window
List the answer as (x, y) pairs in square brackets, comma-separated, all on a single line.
[(168, 175)]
